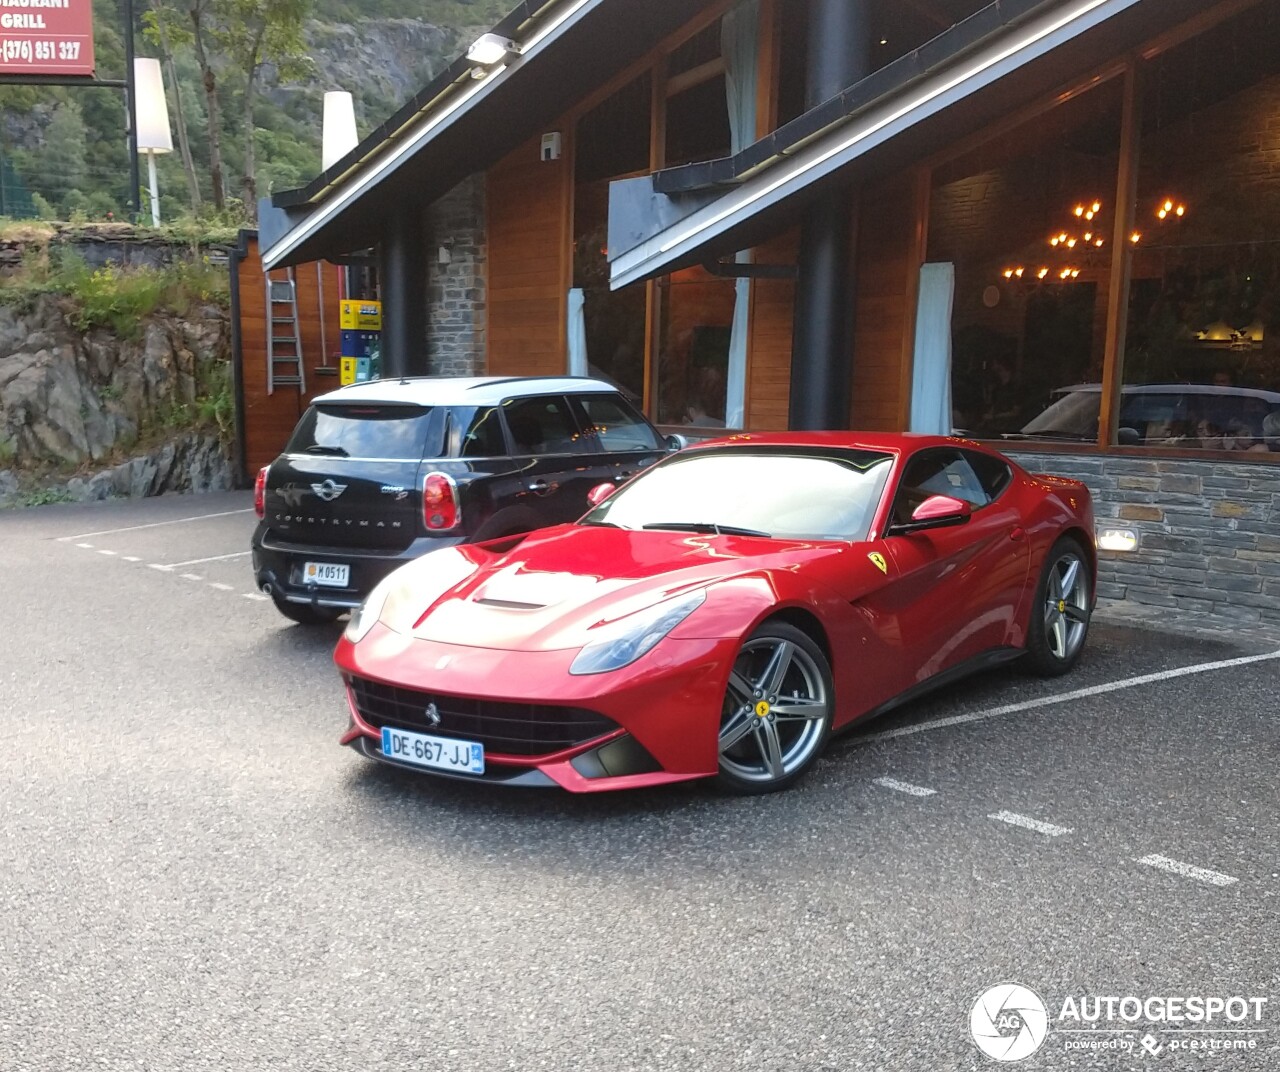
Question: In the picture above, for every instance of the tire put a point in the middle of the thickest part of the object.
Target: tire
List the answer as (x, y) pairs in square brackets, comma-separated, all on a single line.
[(305, 614), (1062, 609), (777, 711)]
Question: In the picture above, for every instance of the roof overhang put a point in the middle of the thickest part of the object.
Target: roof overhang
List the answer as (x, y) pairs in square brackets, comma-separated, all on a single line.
[(461, 124), (1033, 49)]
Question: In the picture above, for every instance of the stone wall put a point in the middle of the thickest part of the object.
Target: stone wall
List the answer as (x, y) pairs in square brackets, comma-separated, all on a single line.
[(456, 290), (1209, 532)]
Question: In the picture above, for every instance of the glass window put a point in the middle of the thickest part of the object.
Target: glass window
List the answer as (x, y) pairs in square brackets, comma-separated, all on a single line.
[(939, 472), (693, 348), (1202, 349), (993, 474), (372, 431), (612, 142), (616, 426), (789, 495), (542, 426), (482, 436), (1027, 219)]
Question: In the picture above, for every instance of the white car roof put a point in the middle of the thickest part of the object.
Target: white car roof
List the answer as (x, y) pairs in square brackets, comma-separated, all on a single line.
[(1177, 389), (462, 390)]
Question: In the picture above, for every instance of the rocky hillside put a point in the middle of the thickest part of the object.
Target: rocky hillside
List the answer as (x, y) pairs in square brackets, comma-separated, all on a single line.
[(92, 415), (66, 145)]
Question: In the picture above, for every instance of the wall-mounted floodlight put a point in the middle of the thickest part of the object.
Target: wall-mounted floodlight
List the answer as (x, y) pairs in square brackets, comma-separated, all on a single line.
[(491, 48), (1117, 540)]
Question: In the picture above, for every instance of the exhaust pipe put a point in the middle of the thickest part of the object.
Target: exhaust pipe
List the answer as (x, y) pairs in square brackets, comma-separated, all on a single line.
[(266, 588)]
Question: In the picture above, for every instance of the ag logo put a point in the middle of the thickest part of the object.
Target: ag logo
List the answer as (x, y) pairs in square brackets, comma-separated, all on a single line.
[(1009, 1022), (878, 559)]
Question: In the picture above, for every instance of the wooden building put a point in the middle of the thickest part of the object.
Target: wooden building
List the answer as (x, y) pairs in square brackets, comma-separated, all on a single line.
[(1050, 223)]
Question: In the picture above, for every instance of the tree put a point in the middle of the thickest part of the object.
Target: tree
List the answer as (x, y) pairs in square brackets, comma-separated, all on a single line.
[(260, 32), (61, 167)]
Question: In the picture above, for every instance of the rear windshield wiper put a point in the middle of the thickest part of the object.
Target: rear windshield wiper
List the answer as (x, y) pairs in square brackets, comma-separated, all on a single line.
[(706, 526), (320, 448)]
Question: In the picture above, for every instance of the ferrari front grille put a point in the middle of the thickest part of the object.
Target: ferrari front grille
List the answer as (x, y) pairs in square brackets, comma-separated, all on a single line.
[(513, 729)]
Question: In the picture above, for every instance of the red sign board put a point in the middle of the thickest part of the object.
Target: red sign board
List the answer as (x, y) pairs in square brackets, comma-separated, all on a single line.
[(46, 37)]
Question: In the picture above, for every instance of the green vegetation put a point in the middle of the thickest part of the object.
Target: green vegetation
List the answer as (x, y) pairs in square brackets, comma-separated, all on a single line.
[(62, 150), (114, 297)]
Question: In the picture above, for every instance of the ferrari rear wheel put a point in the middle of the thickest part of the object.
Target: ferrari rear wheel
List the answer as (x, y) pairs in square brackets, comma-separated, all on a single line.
[(777, 710), (1060, 616)]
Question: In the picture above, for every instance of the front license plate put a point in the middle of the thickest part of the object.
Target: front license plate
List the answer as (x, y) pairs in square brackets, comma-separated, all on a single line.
[(326, 574), (439, 753)]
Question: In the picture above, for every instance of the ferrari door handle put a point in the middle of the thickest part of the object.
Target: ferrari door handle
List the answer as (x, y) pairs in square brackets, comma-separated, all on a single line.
[(625, 474), (1017, 534), (539, 487)]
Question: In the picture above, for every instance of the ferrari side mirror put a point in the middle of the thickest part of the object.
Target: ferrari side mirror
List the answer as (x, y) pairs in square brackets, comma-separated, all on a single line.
[(600, 492), (936, 512), (676, 442)]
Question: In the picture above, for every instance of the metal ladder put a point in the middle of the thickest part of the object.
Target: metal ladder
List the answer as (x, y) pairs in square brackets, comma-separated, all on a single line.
[(284, 337)]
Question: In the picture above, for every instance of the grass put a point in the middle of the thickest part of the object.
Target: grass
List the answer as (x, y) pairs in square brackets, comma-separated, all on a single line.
[(115, 298)]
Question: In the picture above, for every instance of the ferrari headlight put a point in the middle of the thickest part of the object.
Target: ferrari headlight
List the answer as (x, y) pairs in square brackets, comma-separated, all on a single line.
[(364, 617), (626, 640)]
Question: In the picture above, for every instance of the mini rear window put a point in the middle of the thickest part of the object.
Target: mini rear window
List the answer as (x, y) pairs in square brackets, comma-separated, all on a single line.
[(402, 433)]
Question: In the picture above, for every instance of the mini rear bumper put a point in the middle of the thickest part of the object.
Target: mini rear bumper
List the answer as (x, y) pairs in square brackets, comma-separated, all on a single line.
[(278, 568)]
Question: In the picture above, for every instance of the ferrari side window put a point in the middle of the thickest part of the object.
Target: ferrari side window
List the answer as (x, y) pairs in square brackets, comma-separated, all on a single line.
[(994, 474), (940, 472)]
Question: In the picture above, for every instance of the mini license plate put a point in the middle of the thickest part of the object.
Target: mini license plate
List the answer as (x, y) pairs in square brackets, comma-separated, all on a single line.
[(438, 753), (326, 574)]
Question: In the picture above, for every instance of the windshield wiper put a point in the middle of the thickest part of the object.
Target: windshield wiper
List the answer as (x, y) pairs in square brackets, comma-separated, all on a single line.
[(600, 524), (320, 448), (705, 526)]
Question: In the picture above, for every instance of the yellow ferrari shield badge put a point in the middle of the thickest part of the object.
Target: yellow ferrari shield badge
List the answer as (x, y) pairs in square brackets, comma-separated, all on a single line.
[(878, 559)]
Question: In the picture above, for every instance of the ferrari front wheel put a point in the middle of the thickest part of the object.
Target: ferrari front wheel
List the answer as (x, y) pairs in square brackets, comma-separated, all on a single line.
[(1060, 616), (777, 710)]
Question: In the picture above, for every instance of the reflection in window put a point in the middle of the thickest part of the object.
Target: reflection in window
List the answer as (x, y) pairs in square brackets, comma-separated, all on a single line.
[(693, 356), (1202, 352), (1027, 219), (617, 427), (612, 141), (356, 431)]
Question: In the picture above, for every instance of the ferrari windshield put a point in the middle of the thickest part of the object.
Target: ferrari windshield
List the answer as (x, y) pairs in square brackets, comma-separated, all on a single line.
[(790, 495)]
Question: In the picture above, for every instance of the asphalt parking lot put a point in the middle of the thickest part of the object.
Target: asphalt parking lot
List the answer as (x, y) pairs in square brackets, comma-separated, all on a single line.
[(195, 875)]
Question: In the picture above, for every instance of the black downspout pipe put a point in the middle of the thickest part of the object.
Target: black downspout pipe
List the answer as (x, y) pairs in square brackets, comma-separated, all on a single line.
[(402, 271), (839, 55)]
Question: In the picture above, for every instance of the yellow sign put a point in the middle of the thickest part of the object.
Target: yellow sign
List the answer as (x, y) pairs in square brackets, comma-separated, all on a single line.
[(347, 370), (361, 316), (881, 564)]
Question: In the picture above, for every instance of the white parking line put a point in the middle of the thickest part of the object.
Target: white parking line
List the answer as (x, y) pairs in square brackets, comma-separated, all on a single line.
[(1177, 867), (131, 558), (160, 566), (86, 546), (221, 587), (104, 551), (255, 596), (1013, 819), (905, 787), (153, 525), (192, 577), (1066, 697), (215, 558)]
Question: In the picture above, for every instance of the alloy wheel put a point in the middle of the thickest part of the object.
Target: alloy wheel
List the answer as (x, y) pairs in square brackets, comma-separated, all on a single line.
[(775, 711), (1066, 607)]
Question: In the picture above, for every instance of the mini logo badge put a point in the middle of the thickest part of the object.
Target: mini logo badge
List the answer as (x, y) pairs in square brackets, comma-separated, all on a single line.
[(433, 715), (1009, 1022), (328, 491), (881, 564)]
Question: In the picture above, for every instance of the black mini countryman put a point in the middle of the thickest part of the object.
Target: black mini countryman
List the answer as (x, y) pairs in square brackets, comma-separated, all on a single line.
[(379, 473)]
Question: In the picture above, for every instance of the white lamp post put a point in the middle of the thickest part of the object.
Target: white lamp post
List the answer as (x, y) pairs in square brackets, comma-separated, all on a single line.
[(339, 135), (151, 115)]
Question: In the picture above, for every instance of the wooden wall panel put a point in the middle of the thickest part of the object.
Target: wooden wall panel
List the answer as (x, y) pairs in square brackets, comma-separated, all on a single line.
[(772, 317), (529, 267), (269, 419), (887, 274)]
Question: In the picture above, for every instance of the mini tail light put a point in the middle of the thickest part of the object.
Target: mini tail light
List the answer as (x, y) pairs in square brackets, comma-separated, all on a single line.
[(440, 508), (260, 492)]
